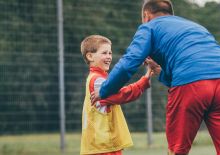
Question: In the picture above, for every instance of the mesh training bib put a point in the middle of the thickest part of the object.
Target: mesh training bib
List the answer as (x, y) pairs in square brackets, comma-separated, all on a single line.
[(103, 132)]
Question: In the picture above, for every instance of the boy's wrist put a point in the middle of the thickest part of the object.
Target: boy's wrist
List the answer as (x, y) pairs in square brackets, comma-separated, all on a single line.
[(143, 83)]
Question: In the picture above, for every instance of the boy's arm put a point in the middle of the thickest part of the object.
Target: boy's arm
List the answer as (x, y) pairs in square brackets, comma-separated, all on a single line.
[(131, 92), (128, 93)]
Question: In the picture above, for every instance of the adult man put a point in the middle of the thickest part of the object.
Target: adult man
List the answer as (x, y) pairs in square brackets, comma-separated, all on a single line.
[(190, 60)]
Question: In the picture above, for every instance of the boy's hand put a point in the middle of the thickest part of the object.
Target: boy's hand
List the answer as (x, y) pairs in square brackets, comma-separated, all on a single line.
[(149, 72), (94, 97)]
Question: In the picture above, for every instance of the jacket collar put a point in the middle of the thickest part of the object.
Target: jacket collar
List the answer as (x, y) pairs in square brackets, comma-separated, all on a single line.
[(98, 70)]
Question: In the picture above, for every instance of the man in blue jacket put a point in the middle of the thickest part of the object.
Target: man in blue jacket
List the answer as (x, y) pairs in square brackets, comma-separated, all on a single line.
[(190, 60)]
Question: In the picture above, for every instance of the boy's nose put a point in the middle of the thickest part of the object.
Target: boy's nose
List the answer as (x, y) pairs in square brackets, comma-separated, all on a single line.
[(109, 56)]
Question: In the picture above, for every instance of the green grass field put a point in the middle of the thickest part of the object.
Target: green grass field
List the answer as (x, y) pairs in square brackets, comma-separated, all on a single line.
[(48, 144)]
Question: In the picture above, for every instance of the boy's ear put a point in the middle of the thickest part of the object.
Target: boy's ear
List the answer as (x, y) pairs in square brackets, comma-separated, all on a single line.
[(89, 56)]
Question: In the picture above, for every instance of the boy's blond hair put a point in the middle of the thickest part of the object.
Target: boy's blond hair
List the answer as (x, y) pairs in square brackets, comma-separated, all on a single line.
[(91, 44)]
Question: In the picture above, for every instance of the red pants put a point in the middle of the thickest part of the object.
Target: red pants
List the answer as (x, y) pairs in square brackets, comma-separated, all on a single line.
[(188, 105)]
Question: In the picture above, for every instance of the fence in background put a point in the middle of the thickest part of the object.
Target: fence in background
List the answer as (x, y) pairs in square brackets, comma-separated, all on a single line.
[(29, 92)]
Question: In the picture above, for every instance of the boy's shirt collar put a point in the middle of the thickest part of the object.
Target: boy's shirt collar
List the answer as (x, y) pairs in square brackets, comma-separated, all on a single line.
[(98, 70)]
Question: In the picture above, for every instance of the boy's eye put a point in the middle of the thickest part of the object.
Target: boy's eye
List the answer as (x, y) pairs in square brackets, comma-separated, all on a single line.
[(107, 52)]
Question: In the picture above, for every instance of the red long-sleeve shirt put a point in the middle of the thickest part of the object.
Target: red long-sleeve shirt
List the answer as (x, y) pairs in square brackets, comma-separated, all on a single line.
[(126, 94)]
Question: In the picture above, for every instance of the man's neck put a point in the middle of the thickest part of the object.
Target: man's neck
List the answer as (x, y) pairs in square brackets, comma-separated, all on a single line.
[(159, 14)]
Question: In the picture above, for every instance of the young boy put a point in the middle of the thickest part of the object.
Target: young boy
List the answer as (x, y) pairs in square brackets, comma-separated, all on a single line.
[(104, 128)]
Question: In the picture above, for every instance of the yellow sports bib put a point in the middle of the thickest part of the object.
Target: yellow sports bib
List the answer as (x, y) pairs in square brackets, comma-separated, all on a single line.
[(103, 132)]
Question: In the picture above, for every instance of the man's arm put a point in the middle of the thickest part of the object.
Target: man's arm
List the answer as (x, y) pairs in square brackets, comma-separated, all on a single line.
[(128, 93), (135, 55)]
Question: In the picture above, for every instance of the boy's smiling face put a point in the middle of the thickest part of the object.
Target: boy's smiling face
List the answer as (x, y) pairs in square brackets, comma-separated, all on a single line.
[(103, 57)]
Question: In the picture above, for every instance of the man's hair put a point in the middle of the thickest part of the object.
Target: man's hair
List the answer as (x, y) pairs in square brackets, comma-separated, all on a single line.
[(91, 44), (158, 6)]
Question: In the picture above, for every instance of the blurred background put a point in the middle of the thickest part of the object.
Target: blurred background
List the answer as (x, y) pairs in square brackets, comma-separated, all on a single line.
[(30, 117)]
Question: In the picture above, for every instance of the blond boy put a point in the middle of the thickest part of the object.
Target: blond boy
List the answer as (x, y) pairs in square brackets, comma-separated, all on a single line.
[(104, 128)]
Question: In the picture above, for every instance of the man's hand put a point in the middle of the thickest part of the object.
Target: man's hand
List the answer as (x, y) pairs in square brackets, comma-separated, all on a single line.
[(156, 69), (94, 97)]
